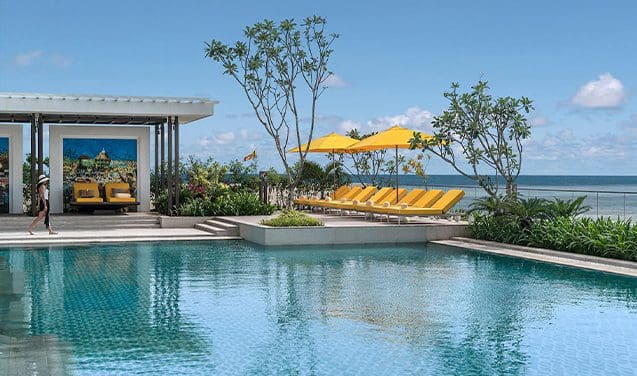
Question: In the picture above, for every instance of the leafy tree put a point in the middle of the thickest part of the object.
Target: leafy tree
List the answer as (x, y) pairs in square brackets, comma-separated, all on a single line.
[(271, 65), (368, 163), (486, 131)]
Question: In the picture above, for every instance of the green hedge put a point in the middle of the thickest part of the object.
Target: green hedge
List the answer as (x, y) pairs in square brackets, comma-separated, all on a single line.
[(603, 237), (290, 218)]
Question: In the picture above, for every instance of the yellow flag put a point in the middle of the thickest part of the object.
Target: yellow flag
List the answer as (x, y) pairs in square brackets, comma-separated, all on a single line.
[(250, 156)]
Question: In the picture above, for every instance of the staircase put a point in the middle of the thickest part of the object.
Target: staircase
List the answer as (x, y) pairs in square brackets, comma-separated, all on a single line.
[(218, 227), (19, 223)]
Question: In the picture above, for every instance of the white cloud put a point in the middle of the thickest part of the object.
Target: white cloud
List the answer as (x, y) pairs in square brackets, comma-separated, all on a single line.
[(413, 117), (27, 58), (604, 92), (223, 138), (334, 80), (539, 121), (347, 125), (60, 60)]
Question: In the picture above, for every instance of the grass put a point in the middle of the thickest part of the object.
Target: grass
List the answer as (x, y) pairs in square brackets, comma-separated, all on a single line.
[(292, 218)]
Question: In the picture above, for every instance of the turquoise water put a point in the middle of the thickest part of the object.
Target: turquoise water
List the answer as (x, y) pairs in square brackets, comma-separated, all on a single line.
[(233, 308)]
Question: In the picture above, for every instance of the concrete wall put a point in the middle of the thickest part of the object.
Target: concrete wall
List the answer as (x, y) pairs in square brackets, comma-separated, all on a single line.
[(269, 236), (14, 133), (140, 133)]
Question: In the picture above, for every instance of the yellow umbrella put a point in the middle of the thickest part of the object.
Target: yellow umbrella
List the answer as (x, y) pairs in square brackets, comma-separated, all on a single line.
[(395, 137), (332, 143)]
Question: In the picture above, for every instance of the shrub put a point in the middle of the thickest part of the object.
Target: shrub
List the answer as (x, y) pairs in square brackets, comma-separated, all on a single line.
[(603, 237), (290, 218), (238, 203)]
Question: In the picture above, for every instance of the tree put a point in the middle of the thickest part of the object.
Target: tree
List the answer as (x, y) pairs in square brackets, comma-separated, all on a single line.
[(369, 163), (486, 131), (271, 65)]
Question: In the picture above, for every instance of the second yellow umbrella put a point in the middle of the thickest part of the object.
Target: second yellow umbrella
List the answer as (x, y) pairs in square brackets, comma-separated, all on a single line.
[(332, 143), (395, 137)]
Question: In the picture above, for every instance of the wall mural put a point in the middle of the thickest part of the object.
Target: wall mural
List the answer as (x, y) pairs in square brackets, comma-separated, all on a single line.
[(4, 174), (98, 160)]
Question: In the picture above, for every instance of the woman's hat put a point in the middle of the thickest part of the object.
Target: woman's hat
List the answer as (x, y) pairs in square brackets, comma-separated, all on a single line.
[(43, 179)]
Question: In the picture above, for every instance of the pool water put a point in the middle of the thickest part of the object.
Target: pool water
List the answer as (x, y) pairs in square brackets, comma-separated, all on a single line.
[(235, 308)]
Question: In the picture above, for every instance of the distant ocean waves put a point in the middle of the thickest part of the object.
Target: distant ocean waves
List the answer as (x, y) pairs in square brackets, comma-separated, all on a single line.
[(614, 196)]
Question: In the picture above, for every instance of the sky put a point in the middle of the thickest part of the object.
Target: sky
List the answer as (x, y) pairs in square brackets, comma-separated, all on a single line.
[(392, 62)]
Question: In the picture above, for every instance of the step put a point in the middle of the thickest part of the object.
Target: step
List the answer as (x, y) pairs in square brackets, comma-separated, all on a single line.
[(210, 229), (221, 224), (230, 228)]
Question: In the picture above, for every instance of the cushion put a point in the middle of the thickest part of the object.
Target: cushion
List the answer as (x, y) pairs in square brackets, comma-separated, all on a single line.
[(122, 195), (116, 191), (87, 193)]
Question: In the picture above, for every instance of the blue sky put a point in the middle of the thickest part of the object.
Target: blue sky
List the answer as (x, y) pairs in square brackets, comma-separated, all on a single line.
[(393, 61)]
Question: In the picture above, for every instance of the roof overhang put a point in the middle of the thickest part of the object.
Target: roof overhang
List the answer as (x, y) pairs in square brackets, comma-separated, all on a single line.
[(100, 109)]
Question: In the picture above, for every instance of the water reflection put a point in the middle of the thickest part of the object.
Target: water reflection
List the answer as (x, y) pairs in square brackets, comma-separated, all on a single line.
[(235, 308)]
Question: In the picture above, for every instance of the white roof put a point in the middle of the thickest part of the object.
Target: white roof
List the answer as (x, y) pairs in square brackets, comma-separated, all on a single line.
[(102, 107)]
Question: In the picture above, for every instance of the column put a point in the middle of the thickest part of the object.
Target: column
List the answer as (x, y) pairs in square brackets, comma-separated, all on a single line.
[(157, 187), (40, 132), (177, 176), (162, 159), (170, 164), (33, 162)]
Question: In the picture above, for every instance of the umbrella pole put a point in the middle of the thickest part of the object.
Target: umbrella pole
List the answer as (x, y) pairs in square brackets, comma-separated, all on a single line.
[(334, 167), (396, 174)]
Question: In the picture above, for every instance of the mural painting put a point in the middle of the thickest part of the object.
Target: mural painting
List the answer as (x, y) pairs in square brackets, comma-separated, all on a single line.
[(4, 175), (98, 160)]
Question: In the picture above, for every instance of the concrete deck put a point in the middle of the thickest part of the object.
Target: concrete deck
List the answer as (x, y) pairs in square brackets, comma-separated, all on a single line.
[(106, 236), (607, 265), (347, 230)]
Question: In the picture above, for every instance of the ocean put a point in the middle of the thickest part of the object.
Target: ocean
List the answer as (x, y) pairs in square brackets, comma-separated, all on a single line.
[(614, 196)]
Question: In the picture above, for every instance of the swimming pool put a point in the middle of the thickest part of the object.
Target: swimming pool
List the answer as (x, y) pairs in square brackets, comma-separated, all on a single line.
[(235, 308)]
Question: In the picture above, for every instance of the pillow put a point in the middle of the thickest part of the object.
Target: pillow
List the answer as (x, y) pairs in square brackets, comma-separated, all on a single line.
[(87, 193), (115, 191), (122, 195)]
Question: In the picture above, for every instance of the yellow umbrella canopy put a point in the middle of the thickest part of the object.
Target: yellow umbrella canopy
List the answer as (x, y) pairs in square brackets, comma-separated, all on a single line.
[(331, 143), (395, 137)]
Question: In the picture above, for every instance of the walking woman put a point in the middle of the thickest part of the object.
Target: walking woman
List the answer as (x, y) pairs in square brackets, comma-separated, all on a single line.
[(43, 206)]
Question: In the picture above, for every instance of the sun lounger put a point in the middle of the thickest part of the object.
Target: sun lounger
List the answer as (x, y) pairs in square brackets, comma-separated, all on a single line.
[(349, 195), (86, 193), (439, 208), (337, 194), (390, 199), (119, 193), (364, 195)]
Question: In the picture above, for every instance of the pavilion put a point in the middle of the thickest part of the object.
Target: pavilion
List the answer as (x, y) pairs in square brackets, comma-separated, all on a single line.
[(93, 117)]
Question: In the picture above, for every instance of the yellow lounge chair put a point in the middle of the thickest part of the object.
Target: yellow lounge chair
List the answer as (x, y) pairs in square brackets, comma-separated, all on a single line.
[(337, 194), (440, 207), (364, 195), (115, 197), (349, 195), (390, 199), (86, 193)]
